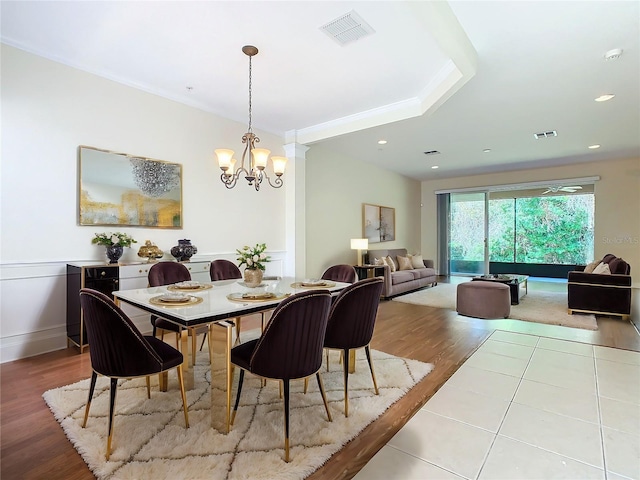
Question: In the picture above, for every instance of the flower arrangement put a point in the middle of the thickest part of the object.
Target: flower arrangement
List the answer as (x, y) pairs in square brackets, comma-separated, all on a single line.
[(254, 258), (116, 239)]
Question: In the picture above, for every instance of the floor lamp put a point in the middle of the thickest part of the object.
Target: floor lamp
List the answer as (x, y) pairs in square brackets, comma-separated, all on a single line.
[(359, 244)]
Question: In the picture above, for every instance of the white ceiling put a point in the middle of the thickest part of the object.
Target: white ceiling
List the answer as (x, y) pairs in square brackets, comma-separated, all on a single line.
[(456, 77)]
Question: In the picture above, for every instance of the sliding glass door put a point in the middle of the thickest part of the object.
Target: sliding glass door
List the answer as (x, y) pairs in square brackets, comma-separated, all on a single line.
[(468, 232)]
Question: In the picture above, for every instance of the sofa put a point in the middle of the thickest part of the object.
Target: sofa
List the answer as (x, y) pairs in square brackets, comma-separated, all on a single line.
[(602, 287), (402, 280)]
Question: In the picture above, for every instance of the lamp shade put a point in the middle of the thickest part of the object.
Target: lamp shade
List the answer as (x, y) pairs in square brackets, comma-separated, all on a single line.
[(359, 243), (224, 158)]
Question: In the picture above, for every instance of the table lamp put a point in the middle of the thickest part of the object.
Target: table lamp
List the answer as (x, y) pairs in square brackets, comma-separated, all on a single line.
[(359, 244)]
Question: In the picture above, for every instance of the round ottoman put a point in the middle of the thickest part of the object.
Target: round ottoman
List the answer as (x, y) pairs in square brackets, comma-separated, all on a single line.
[(483, 299)]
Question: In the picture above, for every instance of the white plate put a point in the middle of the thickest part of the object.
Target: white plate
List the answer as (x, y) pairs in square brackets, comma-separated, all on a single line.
[(174, 297)]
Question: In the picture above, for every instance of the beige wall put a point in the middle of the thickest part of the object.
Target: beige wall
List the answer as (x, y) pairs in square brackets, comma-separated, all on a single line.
[(48, 109), (336, 188), (617, 196)]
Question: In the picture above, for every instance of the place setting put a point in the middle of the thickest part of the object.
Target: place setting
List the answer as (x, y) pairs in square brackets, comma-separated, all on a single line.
[(313, 283), (175, 299), (189, 286), (256, 296)]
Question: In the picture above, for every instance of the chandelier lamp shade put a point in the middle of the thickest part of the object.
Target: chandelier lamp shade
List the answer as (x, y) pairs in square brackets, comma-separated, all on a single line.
[(256, 158)]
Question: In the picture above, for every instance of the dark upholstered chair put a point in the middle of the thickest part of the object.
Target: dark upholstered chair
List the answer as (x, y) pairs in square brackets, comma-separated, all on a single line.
[(351, 322), (119, 350), (341, 273), (225, 270), (290, 347), (167, 273), (601, 294)]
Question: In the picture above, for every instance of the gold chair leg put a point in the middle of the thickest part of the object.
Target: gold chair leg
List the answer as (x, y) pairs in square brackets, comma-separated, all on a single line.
[(345, 365), (184, 396), (286, 419), (324, 397), (112, 405), (373, 375), (306, 385), (92, 386)]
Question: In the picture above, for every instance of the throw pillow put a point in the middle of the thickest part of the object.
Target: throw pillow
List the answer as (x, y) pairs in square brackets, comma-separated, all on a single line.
[(591, 266), (378, 261), (416, 261), (618, 266), (602, 269), (391, 263), (404, 263)]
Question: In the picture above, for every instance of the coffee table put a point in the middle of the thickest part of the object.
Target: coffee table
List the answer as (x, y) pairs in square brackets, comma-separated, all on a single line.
[(513, 281)]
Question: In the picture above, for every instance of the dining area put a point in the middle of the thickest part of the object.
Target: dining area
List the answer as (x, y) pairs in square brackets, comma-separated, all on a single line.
[(282, 348), (215, 306)]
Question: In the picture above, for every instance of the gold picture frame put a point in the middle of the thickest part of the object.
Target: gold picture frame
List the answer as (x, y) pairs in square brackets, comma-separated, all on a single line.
[(378, 223), (126, 190)]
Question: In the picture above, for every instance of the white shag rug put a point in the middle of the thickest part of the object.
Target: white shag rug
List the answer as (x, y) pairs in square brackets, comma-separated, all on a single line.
[(535, 306), (150, 440)]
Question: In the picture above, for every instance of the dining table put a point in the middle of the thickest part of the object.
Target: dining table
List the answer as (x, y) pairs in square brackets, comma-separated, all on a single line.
[(215, 305)]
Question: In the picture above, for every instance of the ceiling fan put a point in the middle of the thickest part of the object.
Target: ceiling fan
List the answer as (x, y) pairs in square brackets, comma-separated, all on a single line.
[(560, 188)]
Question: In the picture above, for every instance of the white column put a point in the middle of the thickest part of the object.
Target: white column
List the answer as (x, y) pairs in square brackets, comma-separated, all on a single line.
[(295, 217)]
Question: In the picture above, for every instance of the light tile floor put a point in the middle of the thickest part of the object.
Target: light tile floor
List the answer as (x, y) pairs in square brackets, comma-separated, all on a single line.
[(524, 407)]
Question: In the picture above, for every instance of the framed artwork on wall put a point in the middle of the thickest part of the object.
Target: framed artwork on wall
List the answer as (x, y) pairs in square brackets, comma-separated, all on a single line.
[(126, 190), (378, 223)]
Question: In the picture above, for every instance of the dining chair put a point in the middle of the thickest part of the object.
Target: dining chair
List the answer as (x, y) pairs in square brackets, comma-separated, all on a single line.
[(118, 350), (167, 273), (350, 325), (341, 273), (338, 273), (289, 348), (226, 270)]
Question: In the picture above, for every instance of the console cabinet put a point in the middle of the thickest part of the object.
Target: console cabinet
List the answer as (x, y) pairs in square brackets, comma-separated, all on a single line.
[(107, 279)]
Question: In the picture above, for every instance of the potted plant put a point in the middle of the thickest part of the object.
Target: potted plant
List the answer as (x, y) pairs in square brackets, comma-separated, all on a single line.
[(254, 259), (115, 243)]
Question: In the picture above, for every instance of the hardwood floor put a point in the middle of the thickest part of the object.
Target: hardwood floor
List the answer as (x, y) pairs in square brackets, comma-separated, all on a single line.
[(33, 446)]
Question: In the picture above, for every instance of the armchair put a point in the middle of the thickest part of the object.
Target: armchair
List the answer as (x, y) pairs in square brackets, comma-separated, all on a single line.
[(604, 294)]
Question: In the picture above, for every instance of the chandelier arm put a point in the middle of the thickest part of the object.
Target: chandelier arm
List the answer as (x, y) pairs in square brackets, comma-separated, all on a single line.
[(277, 183), (228, 180)]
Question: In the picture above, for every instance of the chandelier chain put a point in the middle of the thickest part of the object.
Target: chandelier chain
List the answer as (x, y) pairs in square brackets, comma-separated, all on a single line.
[(250, 94)]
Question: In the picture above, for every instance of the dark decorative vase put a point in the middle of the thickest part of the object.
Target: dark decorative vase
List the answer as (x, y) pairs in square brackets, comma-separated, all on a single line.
[(114, 252), (184, 250)]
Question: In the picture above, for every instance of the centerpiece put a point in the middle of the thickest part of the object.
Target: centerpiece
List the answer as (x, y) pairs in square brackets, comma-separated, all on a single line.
[(115, 243), (254, 259)]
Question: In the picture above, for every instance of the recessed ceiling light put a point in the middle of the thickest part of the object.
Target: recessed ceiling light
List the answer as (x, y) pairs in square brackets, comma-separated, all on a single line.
[(593, 147), (382, 142), (486, 150), (604, 98), (613, 54), (435, 166), (189, 89)]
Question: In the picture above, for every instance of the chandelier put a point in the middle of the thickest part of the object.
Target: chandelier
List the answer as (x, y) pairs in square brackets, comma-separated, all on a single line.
[(254, 172), (153, 178)]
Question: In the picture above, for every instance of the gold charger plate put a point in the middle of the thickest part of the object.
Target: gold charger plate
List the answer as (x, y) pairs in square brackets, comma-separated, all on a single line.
[(304, 285), (258, 297), (192, 301), (189, 289)]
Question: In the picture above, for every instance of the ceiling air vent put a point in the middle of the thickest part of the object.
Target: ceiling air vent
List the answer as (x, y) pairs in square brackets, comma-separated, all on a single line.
[(347, 28), (432, 152), (549, 134)]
